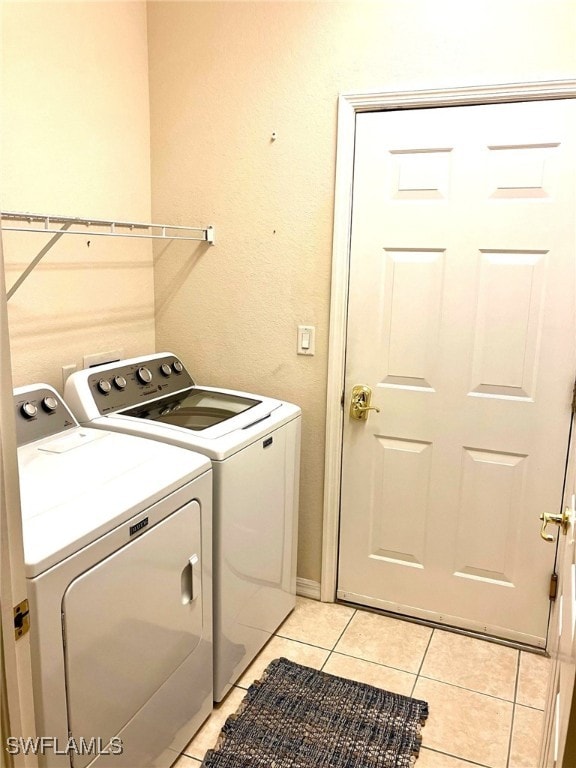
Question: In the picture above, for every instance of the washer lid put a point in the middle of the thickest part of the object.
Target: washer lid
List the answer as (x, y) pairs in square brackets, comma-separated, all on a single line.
[(203, 409)]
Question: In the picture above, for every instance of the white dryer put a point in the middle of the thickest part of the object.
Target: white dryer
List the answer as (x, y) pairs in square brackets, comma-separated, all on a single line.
[(117, 545), (254, 445)]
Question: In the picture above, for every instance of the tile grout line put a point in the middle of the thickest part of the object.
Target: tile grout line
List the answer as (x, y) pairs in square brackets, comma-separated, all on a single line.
[(470, 690), (303, 642), (422, 662), (513, 711), (456, 757), (371, 661), (331, 650)]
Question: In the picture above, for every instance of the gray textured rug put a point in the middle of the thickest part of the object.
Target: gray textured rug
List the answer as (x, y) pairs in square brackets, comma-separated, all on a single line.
[(297, 717)]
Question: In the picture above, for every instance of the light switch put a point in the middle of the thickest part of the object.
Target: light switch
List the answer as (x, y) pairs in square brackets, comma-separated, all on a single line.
[(306, 339)]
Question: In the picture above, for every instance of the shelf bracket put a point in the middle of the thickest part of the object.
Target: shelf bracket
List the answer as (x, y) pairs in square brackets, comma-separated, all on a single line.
[(37, 260)]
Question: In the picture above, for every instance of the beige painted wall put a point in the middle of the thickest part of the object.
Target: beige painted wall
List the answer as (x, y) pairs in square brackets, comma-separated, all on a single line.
[(75, 141), (223, 77)]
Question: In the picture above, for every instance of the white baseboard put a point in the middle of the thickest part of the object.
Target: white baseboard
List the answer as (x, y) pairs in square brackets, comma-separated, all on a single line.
[(308, 588)]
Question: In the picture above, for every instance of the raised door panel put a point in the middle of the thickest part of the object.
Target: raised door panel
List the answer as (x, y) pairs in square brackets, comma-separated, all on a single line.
[(490, 506), (508, 326), (400, 501), (413, 287)]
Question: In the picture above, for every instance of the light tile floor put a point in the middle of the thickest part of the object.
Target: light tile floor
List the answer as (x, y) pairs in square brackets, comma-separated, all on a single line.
[(486, 700)]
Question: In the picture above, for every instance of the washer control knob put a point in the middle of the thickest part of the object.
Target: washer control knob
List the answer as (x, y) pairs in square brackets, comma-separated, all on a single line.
[(28, 410), (49, 404), (178, 367), (144, 375), (119, 382), (104, 386), (165, 370)]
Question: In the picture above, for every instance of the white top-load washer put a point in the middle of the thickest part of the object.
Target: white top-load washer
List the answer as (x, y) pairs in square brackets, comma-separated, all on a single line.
[(117, 546), (254, 445)]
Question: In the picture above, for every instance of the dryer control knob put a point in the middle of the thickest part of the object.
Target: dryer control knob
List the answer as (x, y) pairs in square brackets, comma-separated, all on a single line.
[(144, 375), (119, 382), (49, 404), (104, 386), (178, 367), (28, 410), (165, 370)]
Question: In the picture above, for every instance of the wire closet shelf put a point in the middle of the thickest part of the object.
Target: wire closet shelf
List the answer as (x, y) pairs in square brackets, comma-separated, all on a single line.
[(16, 221)]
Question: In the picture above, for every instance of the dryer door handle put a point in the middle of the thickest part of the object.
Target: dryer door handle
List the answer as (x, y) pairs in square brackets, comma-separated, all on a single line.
[(190, 580)]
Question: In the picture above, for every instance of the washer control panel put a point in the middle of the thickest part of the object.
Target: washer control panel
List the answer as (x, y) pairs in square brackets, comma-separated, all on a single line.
[(123, 385), (40, 412)]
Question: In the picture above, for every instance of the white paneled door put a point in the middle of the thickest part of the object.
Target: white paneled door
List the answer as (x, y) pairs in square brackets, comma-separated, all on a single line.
[(461, 322)]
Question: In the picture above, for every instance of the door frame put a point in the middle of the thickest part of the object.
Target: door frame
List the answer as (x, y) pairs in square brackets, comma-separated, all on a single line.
[(16, 693), (348, 106)]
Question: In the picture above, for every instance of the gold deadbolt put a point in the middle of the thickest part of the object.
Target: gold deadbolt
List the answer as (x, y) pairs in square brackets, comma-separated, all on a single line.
[(562, 520), (360, 402)]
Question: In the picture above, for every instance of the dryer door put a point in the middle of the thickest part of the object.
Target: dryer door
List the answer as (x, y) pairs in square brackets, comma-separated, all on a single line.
[(129, 623)]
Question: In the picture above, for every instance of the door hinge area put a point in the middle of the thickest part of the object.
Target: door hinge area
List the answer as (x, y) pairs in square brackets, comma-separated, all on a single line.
[(21, 619), (553, 590)]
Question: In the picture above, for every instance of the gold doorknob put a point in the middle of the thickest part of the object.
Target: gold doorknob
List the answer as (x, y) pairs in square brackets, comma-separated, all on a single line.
[(561, 520), (360, 402)]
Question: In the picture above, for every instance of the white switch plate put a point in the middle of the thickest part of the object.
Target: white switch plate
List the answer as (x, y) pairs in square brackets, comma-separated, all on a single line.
[(306, 339)]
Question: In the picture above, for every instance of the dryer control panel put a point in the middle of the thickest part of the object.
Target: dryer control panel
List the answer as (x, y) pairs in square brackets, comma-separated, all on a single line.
[(40, 412), (116, 386)]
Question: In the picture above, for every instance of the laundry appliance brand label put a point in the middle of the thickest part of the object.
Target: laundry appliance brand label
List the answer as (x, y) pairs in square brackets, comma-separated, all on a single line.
[(138, 526)]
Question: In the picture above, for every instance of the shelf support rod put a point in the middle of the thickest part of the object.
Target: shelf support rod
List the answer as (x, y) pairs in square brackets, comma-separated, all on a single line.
[(37, 260)]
